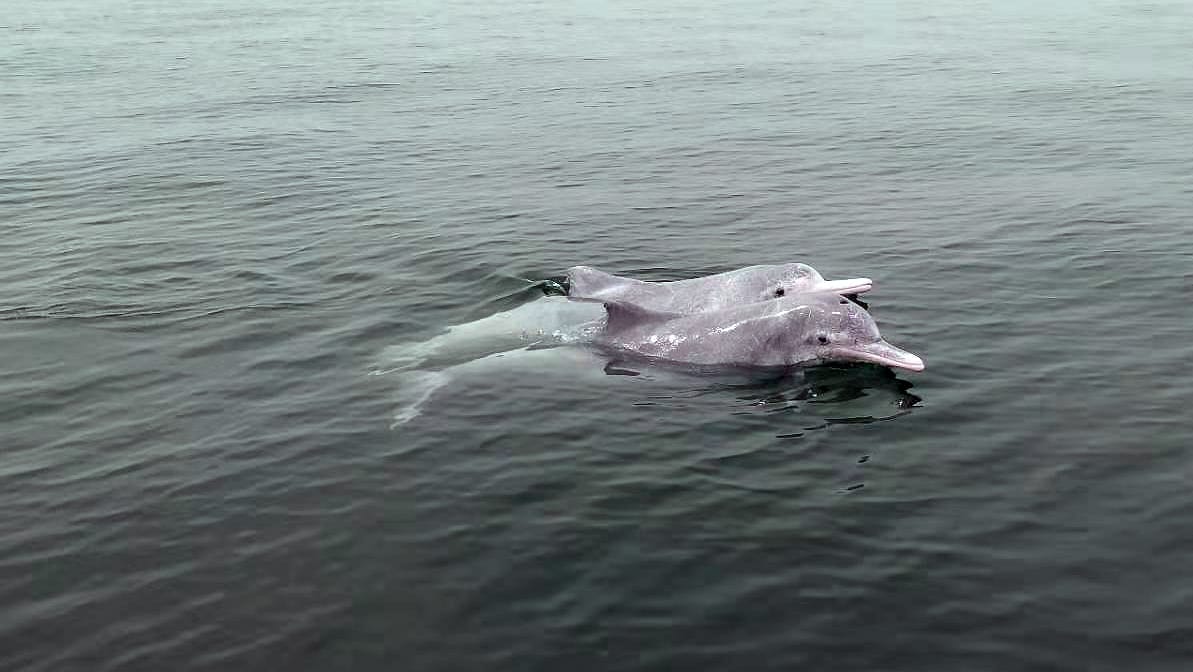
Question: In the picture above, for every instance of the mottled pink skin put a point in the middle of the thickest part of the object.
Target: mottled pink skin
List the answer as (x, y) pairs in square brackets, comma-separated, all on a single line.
[(786, 331), (751, 284)]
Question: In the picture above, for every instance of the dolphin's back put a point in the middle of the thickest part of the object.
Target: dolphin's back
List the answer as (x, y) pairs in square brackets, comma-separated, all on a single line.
[(694, 295), (751, 284), (586, 283)]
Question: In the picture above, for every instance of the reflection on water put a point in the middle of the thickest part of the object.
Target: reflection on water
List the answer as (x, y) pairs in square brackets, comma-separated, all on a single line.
[(838, 392), (842, 393)]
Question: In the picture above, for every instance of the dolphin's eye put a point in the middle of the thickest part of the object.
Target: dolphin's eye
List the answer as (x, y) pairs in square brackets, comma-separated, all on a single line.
[(780, 292), (822, 339)]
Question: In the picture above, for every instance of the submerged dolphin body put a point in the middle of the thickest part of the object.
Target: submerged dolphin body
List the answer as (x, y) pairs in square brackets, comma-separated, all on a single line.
[(798, 329), (712, 292)]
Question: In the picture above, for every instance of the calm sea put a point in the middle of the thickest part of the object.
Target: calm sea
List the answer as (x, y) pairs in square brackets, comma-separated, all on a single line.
[(235, 232)]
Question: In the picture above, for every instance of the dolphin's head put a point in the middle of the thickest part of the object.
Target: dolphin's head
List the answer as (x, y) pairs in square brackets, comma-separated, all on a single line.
[(795, 278), (836, 329)]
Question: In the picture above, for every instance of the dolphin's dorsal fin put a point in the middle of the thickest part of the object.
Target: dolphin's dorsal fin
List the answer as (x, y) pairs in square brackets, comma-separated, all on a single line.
[(586, 283), (623, 314)]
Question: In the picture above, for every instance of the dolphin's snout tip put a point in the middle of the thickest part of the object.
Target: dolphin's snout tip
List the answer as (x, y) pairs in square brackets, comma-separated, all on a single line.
[(881, 352), (913, 363), (850, 286), (901, 359)]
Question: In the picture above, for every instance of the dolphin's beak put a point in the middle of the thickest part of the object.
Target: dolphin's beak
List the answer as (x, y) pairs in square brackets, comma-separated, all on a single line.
[(881, 352), (850, 286)]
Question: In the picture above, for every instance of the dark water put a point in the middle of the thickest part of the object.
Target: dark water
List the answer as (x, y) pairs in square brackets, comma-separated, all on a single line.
[(224, 222)]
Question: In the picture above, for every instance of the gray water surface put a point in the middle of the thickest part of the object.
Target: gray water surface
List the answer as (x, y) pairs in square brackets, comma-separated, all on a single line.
[(231, 229)]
